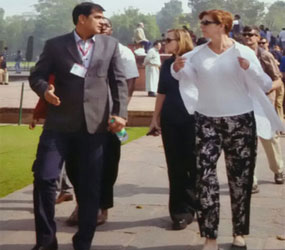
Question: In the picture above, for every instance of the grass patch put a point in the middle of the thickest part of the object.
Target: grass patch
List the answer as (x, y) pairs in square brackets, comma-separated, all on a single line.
[(18, 147), (23, 64)]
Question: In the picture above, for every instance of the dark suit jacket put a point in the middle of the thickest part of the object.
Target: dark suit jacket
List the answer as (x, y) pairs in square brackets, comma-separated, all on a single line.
[(81, 98)]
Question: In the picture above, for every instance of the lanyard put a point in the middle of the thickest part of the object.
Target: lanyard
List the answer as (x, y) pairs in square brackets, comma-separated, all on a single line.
[(84, 52)]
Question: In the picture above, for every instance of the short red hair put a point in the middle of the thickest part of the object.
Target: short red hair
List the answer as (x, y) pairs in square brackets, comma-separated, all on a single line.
[(221, 17)]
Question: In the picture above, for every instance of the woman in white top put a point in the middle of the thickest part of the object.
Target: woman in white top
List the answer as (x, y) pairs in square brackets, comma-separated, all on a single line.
[(221, 71)]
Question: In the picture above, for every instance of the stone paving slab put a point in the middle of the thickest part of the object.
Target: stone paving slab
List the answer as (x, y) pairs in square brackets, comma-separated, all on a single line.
[(140, 219)]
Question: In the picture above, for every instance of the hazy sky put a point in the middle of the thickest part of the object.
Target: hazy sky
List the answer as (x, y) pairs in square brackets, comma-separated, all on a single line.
[(15, 7)]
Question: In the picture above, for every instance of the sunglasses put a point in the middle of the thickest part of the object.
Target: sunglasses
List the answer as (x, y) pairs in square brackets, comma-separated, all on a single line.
[(206, 22), (262, 43), (249, 34), (169, 40)]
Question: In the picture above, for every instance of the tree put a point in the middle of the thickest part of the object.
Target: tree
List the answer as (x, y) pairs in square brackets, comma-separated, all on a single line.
[(18, 29), (54, 18), (2, 25), (274, 18), (251, 11), (125, 24), (167, 16)]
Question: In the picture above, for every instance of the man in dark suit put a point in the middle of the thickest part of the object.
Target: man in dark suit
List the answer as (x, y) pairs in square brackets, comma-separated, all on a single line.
[(77, 120)]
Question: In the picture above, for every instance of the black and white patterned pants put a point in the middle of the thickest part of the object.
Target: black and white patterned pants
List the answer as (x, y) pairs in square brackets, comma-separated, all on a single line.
[(236, 135)]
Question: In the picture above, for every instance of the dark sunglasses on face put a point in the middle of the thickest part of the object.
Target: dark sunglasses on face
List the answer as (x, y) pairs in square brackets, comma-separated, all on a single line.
[(169, 40), (206, 22), (262, 43), (249, 34)]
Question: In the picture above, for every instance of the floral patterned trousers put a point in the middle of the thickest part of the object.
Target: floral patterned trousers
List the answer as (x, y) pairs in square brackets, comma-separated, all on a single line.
[(236, 135)]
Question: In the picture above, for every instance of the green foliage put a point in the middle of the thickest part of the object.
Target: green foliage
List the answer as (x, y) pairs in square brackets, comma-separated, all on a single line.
[(124, 25), (18, 147), (54, 18), (18, 29), (167, 17), (275, 18), (251, 11)]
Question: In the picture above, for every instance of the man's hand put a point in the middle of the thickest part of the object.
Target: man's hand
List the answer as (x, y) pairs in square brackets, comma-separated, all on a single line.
[(50, 97), (179, 63), (116, 124), (244, 64)]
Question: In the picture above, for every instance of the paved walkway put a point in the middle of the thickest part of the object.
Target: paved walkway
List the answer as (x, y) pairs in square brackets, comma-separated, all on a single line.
[(10, 96), (140, 220)]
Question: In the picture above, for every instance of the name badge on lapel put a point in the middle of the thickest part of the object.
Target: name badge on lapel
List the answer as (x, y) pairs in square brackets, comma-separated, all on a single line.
[(78, 70)]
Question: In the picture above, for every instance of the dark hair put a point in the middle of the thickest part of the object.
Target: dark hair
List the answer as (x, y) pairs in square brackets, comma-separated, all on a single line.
[(85, 8), (156, 42), (251, 28), (237, 16)]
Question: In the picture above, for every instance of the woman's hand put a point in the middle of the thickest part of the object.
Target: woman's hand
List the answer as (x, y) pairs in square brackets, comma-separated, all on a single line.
[(154, 128), (179, 63), (244, 63)]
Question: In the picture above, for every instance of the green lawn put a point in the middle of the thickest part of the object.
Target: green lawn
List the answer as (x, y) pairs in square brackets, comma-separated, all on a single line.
[(17, 152)]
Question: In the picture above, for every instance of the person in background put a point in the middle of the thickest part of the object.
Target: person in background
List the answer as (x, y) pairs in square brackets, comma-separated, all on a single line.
[(282, 38), (263, 43), (152, 63), (39, 113), (268, 35), (237, 27), (140, 38), (176, 126), (113, 146), (277, 53), (225, 73), (3, 71), (272, 145), (262, 31), (282, 69), (5, 53), (18, 60)]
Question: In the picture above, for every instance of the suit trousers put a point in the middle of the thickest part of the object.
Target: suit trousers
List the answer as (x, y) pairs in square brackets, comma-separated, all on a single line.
[(112, 154), (236, 135), (179, 146), (86, 153)]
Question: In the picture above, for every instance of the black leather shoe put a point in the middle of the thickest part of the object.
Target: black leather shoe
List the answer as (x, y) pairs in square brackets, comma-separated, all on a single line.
[(52, 246), (236, 247), (179, 224)]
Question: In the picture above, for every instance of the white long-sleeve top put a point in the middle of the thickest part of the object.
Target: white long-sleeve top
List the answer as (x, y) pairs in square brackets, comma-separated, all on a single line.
[(222, 91), (216, 85)]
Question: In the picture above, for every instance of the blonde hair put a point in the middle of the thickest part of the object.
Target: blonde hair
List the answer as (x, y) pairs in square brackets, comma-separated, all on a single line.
[(184, 41)]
